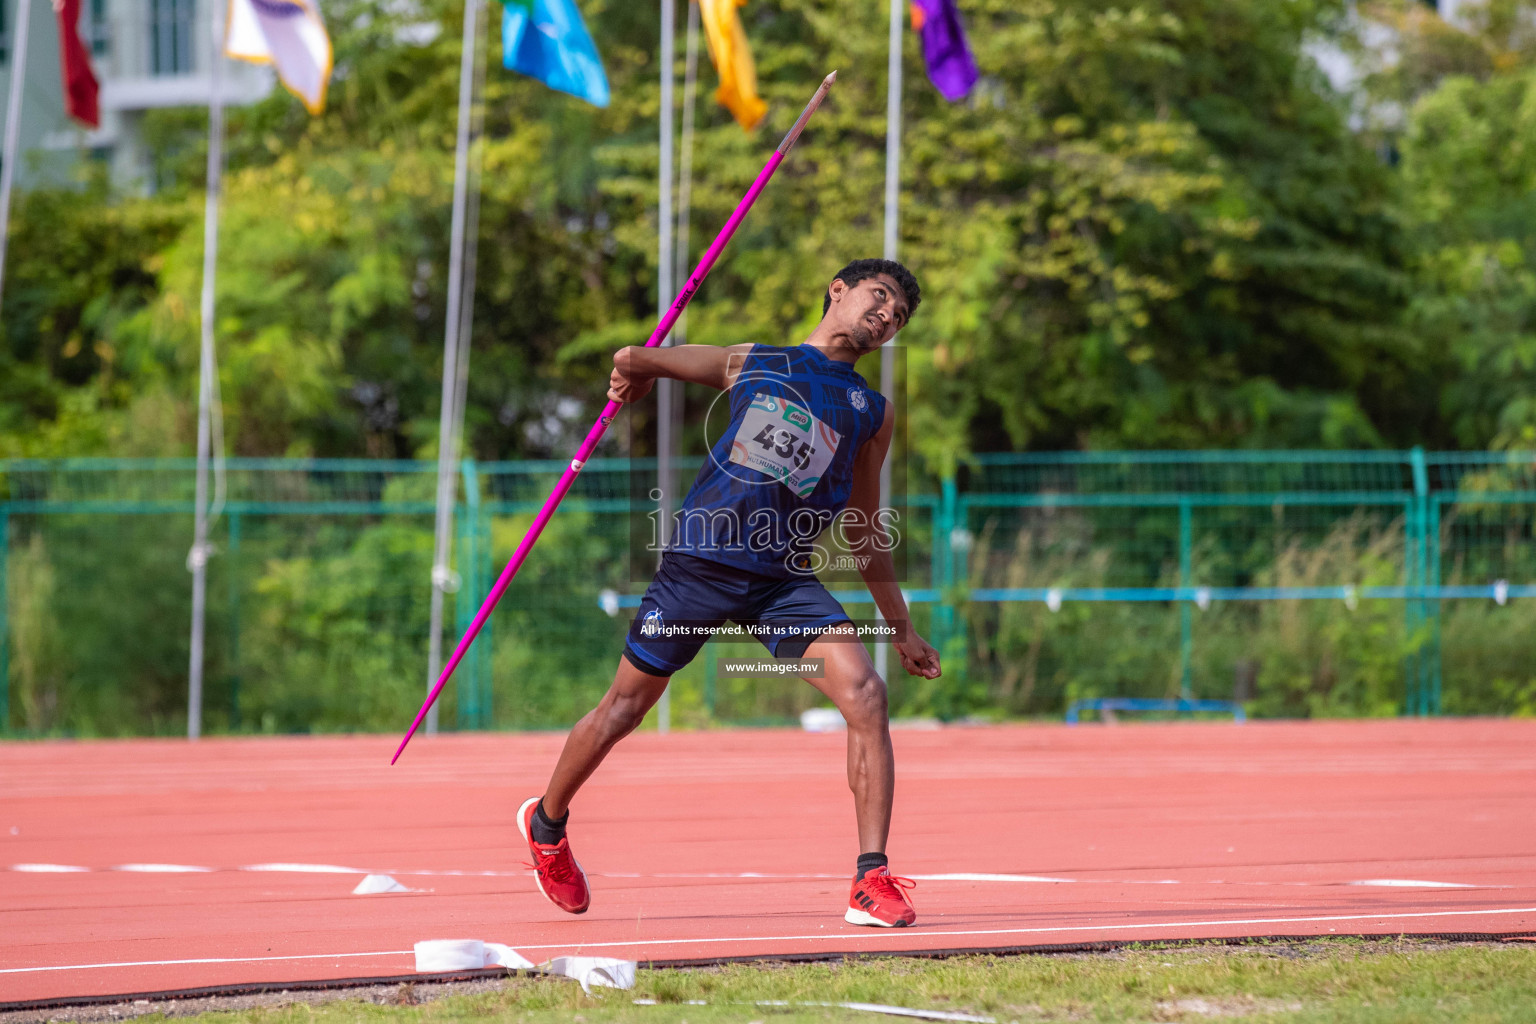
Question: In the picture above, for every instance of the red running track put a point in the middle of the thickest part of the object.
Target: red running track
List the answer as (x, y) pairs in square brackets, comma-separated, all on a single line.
[(741, 843)]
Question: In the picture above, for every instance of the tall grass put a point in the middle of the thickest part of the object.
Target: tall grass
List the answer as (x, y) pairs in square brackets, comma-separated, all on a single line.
[(1291, 658)]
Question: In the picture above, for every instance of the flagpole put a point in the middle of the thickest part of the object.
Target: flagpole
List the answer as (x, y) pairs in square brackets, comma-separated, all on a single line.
[(13, 125), (478, 679), (454, 354), (680, 247), (197, 558), (685, 163), (471, 235), (471, 239), (664, 257), (892, 188)]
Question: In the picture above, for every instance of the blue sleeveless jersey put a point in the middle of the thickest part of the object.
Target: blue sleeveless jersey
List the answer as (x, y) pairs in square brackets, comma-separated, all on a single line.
[(782, 467)]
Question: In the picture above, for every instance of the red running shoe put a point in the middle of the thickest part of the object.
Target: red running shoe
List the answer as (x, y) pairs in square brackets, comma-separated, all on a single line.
[(877, 900), (559, 875)]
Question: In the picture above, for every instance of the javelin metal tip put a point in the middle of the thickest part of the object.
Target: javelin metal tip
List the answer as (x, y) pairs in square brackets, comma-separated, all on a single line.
[(805, 115)]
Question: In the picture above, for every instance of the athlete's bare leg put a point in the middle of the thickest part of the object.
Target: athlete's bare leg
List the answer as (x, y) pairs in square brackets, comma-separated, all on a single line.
[(850, 681), (622, 708)]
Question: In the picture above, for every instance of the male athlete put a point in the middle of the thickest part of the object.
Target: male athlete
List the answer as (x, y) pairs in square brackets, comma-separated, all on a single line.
[(805, 441)]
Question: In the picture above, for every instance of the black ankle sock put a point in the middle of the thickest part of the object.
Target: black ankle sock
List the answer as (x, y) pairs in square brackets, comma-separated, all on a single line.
[(546, 830), (868, 862)]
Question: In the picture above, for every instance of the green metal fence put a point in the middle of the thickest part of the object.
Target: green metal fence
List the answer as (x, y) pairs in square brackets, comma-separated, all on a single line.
[(1302, 582)]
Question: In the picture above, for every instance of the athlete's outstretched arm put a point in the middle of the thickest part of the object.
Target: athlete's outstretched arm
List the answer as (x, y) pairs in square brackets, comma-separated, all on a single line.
[(635, 368), (864, 528)]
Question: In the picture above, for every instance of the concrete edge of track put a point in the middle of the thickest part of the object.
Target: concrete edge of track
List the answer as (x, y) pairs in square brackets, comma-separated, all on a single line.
[(451, 977)]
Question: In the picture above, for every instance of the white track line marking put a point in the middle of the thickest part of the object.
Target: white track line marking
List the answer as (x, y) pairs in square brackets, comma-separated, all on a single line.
[(311, 869), (202, 960), (957, 876), (1405, 883), (822, 937)]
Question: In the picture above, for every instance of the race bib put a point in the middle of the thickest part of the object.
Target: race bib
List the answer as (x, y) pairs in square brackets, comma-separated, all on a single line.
[(785, 441)]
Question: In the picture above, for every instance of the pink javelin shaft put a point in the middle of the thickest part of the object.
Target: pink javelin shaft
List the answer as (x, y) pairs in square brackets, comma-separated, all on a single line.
[(610, 410)]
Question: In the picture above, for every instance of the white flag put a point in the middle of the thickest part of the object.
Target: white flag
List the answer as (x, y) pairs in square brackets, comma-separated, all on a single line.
[(289, 35)]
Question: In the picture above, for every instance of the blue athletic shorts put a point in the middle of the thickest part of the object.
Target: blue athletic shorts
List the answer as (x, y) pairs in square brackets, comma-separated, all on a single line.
[(690, 597)]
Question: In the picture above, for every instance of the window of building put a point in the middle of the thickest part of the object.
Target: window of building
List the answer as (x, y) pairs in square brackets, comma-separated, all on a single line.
[(171, 31), (95, 30)]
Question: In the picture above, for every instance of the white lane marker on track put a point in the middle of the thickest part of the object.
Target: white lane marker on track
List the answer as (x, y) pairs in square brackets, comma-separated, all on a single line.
[(374, 885), (49, 869), (161, 869), (1407, 883), (311, 869), (820, 937)]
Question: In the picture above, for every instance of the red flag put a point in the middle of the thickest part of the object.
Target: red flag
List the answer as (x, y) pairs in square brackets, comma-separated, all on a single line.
[(80, 86)]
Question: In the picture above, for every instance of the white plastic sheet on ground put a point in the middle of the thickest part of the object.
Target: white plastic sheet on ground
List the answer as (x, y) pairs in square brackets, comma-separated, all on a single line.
[(602, 971), (439, 955)]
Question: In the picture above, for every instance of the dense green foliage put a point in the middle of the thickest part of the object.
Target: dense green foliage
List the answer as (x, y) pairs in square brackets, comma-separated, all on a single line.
[(1151, 226)]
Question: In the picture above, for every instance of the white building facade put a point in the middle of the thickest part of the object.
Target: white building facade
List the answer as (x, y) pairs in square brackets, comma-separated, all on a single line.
[(147, 54)]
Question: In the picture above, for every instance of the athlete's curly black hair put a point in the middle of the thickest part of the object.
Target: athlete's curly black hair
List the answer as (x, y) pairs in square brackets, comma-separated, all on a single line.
[(860, 270)]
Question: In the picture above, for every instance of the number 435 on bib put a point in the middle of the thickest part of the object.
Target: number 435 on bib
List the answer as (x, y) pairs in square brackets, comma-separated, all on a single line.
[(786, 442)]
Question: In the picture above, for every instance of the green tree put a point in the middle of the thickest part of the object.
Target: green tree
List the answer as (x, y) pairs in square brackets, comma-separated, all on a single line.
[(1469, 196), (1151, 225), (81, 266)]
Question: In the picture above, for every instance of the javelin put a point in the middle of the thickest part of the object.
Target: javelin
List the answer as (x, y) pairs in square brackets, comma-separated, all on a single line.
[(611, 409)]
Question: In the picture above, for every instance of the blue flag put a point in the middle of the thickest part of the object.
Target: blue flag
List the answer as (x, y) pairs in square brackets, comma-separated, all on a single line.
[(547, 40)]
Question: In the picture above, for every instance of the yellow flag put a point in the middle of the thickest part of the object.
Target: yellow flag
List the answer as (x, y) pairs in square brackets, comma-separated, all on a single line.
[(728, 49)]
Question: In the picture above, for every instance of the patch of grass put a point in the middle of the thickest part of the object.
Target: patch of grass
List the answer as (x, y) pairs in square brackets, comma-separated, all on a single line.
[(1353, 982)]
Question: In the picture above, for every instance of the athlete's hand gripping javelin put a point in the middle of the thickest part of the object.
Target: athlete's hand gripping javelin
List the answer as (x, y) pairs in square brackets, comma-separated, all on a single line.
[(635, 368)]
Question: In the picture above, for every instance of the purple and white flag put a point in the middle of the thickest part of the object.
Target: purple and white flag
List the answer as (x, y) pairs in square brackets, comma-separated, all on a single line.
[(289, 35)]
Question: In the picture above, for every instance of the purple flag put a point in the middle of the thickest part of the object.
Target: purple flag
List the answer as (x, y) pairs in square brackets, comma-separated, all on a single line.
[(951, 68)]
